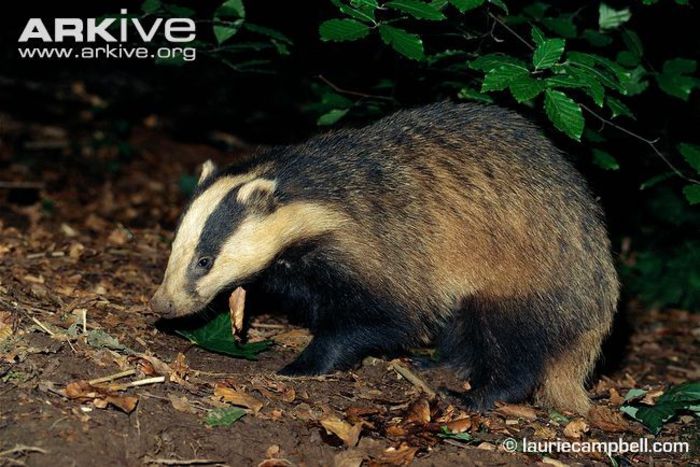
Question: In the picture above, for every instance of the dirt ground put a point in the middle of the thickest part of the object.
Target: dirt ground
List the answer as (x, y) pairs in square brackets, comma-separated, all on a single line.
[(84, 233)]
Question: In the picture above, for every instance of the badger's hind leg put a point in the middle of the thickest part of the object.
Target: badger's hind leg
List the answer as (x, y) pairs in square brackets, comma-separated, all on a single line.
[(565, 376), (502, 345)]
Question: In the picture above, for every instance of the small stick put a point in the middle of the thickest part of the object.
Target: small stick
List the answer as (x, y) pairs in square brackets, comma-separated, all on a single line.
[(413, 379), (141, 382), (108, 378), (41, 325), (84, 320), (166, 461), (268, 326), (21, 448)]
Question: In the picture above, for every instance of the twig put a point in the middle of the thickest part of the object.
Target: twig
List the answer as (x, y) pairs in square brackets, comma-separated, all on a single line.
[(510, 30), (22, 449), (651, 143), (413, 378), (268, 326), (166, 461), (352, 93), (41, 325), (105, 379), (141, 382)]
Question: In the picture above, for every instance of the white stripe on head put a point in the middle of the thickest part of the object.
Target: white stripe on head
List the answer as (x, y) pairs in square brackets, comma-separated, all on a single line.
[(190, 231), (260, 238)]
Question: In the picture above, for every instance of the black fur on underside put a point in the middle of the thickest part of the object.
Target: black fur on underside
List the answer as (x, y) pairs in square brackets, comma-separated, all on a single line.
[(348, 320)]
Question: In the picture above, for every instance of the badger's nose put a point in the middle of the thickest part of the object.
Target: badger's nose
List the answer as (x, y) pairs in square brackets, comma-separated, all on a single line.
[(161, 305)]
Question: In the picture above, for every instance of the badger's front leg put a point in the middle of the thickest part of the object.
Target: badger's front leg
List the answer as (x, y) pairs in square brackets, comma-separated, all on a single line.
[(336, 349)]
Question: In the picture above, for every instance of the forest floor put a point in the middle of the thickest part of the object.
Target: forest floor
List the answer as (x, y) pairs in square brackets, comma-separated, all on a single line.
[(84, 236)]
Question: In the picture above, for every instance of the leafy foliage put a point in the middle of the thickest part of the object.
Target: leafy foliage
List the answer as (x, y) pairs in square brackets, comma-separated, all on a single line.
[(216, 335), (589, 71), (224, 416), (678, 399)]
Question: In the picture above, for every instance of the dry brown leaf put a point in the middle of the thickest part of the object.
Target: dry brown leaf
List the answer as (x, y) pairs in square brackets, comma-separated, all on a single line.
[(101, 397), (296, 338), (396, 431), (348, 458), (607, 420), (460, 425), (236, 306), (615, 398), (576, 428), (6, 325), (518, 411), (182, 404), (419, 412), (238, 398), (403, 455), (544, 432), (349, 434), (550, 461), (486, 446)]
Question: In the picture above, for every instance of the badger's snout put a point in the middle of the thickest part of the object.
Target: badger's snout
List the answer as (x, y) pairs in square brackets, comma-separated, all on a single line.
[(161, 305)]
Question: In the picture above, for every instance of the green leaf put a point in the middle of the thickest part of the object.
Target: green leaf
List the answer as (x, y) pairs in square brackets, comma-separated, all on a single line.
[(366, 13), (417, 9), (405, 43), (691, 153), (525, 88), (225, 416), (536, 10), (682, 398), (627, 58), (605, 160), (537, 35), (564, 113), (563, 26), (633, 42), (473, 94), (609, 18), (548, 53), (655, 180), (342, 30), (596, 38), (576, 78), (232, 12), (500, 4), (488, 62), (464, 437), (618, 108), (692, 194), (216, 336), (500, 77), (150, 6), (331, 117), (674, 79), (466, 5)]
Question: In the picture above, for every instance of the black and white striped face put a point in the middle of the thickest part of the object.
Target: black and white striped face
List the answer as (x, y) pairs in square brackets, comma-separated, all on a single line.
[(232, 230)]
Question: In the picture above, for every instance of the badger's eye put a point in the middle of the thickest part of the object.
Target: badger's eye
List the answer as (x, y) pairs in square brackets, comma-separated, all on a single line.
[(204, 262)]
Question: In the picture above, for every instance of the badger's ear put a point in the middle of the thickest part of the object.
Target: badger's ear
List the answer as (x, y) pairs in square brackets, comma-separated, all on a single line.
[(258, 194), (208, 168)]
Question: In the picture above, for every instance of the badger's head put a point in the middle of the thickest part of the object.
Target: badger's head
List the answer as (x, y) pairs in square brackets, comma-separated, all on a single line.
[(235, 226)]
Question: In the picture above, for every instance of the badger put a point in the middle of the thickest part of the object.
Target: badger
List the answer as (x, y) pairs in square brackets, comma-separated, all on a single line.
[(456, 225)]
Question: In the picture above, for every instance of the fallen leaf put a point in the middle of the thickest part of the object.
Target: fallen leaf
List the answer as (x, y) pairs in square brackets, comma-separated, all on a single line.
[(403, 455), (576, 428), (615, 397), (518, 411), (419, 412), (460, 425), (6, 325), (349, 434), (225, 416), (236, 306), (607, 420), (238, 398), (486, 446), (101, 397), (296, 338), (182, 404)]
